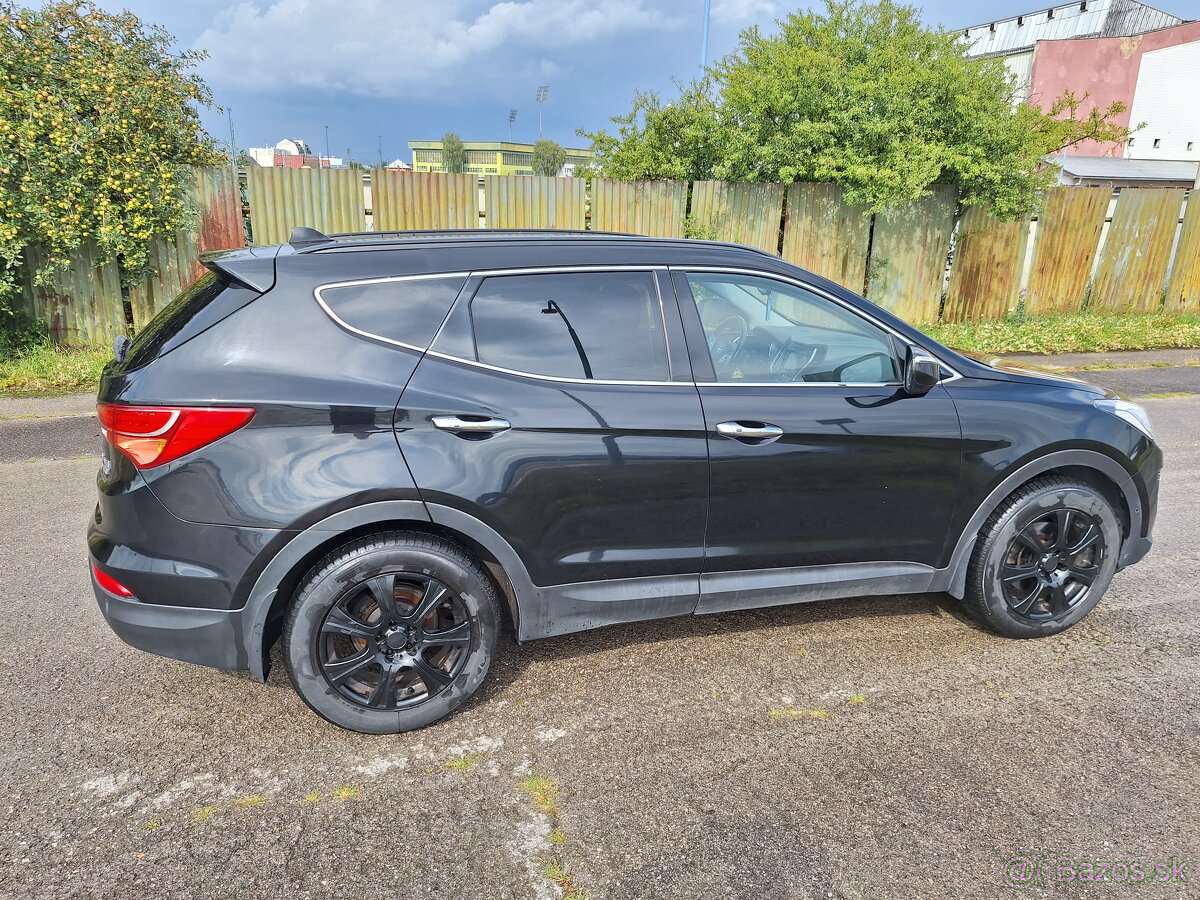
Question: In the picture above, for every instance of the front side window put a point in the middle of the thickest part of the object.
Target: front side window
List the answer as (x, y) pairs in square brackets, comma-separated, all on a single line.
[(762, 330), (605, 326)]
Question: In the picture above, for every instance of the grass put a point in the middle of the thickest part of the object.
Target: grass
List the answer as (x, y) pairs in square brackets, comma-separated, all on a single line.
[(1071, 334), (543, 792), (47, 369), (462, 763)]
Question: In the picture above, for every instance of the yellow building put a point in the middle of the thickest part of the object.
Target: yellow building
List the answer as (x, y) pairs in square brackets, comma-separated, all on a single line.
[(490, 157)]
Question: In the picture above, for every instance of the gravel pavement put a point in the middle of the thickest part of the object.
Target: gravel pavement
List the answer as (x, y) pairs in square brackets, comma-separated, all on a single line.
[(873, 748)]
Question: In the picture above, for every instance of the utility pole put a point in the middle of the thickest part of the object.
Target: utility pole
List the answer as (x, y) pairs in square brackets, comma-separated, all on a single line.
[(704, 39), (232, 149), (381, 151), (512, 117), (328, 163), (543, 92)]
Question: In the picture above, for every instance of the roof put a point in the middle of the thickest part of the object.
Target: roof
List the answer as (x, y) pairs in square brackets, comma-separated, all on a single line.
[(1093, 18), (1128, 169)]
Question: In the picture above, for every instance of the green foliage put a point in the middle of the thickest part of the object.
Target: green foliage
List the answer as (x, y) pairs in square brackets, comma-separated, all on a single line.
[(40, 367), (19, 331), (99, 128), (1071, 333), (454, 155), (862, 95), (548, 157)]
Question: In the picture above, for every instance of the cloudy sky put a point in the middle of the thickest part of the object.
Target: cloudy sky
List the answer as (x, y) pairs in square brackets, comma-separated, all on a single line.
[(390, 71)]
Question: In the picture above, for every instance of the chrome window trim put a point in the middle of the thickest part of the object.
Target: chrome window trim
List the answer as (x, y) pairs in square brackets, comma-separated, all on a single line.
[(357, 282), (813, 289), (553, 270)]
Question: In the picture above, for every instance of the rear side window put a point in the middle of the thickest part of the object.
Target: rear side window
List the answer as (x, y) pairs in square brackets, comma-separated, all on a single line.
[(592, 325), (400, 310)]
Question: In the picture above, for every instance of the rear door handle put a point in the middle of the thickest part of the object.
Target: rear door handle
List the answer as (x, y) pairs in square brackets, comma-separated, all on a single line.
[(750, 432), (474, 425)]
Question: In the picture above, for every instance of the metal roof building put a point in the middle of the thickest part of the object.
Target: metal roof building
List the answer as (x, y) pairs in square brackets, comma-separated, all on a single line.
[(1015, 39), (1114, 172), (1088, 18)]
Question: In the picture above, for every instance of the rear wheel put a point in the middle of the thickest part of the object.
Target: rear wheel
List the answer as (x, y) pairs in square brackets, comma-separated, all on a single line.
[(391, 632), (1044, 559)]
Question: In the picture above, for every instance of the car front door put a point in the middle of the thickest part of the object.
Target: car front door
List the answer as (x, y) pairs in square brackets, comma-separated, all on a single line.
[(824, 472), (557, 409)]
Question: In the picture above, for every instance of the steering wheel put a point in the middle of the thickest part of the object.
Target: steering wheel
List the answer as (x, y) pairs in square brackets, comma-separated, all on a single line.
[(727, 339)]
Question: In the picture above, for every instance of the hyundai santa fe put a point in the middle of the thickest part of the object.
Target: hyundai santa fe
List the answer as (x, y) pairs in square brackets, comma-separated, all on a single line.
[(385, 449)]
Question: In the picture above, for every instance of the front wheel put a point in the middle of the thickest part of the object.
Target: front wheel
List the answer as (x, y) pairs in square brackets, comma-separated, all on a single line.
[(1043, 559), (391, 632)]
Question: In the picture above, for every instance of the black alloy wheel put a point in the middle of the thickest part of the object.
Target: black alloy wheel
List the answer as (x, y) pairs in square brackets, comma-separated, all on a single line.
[(394, 640), (1044, 558), (1052, 563), (392, 632)]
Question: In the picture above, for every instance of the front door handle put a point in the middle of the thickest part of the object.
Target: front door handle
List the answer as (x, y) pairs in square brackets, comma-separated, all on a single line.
[(472, 425), (751, 432)]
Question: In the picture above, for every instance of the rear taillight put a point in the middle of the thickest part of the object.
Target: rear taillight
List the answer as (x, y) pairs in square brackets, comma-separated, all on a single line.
[(153, 435), (109, 583)]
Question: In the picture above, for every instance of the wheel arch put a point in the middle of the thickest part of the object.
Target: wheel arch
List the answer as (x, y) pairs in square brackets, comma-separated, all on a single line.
[(267, 603), (1097, 469)]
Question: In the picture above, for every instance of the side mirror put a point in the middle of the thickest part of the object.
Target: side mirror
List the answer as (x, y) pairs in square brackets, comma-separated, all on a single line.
[(921, 372)]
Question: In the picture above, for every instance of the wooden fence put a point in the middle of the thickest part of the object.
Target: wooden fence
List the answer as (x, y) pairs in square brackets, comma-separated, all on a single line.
[(86, 303), (1088, 249)]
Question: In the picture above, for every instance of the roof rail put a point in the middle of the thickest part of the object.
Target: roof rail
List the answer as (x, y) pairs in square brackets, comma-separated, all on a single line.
[(309, 240)]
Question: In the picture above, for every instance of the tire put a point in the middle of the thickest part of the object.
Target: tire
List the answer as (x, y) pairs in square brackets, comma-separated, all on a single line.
[(1030, 576), (377, 666)]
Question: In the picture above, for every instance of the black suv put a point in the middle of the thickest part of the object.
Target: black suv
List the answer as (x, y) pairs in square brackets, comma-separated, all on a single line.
[(383, 447)]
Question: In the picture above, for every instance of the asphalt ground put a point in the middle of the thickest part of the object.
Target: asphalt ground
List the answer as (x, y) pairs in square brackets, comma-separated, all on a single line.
[(871, 748)]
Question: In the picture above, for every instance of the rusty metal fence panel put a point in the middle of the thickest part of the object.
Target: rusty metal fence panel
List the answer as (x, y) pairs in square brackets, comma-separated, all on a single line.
[(1132, 272), (825, 235), (82, 304), (654, 208), (329, 200), (403, 201), (217, 199), (1068, 232), (989, 256), (535, 201), (747, 214), (908, 256), (1183, 291)]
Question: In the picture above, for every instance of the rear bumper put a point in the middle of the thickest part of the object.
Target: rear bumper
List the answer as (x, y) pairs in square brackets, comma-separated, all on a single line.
[(209, 637)]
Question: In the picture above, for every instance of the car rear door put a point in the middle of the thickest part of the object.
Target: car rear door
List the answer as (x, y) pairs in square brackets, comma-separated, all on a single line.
[(823, 469), (557, 409)]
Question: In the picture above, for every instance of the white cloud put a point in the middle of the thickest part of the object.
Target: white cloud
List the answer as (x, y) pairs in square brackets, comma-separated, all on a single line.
[(378, 48), (738, 12)]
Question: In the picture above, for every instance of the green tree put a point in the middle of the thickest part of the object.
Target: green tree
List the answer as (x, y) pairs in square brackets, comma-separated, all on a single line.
[(454, 155), (863, 95), (99, 129), (548, 157)]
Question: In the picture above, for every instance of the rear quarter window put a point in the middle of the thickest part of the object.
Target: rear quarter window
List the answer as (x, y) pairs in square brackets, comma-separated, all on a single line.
[(398, 310)]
